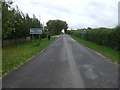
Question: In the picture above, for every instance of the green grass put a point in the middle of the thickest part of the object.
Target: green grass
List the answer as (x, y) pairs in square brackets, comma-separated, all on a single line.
[(14, 56), (106, 51)]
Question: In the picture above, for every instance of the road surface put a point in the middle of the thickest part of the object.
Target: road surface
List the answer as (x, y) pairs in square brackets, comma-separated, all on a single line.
[(64, 64)]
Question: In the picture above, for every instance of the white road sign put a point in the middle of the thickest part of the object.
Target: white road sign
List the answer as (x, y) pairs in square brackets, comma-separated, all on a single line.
[(35, 31)]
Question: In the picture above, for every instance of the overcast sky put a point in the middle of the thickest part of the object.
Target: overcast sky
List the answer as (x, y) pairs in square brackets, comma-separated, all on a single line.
[(77, 13)]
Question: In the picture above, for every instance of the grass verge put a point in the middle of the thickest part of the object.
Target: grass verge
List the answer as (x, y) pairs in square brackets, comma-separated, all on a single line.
[(14, 56), (106, 51)]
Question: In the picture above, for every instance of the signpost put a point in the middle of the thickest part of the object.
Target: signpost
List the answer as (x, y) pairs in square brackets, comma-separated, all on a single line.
[(35, 31)]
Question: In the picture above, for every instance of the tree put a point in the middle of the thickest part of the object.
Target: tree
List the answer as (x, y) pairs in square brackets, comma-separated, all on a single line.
[(56, 26), (7, 18), (16, 24)]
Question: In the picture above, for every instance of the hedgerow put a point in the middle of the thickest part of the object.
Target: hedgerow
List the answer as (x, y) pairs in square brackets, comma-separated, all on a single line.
[(102, 36)]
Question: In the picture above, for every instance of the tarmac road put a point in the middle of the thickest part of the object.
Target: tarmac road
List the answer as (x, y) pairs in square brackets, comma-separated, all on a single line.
[(64, 64)]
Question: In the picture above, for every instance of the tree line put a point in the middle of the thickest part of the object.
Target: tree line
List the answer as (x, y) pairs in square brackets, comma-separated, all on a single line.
[(102, 36), (16, 24)]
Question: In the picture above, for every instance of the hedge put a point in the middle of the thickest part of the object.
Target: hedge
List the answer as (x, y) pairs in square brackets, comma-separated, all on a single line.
[(102, 36)]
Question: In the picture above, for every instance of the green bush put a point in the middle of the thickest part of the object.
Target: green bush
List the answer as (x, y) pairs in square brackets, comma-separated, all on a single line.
[(45, 34)]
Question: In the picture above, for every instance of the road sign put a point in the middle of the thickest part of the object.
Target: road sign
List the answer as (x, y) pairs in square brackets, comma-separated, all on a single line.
[(35, 31)]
